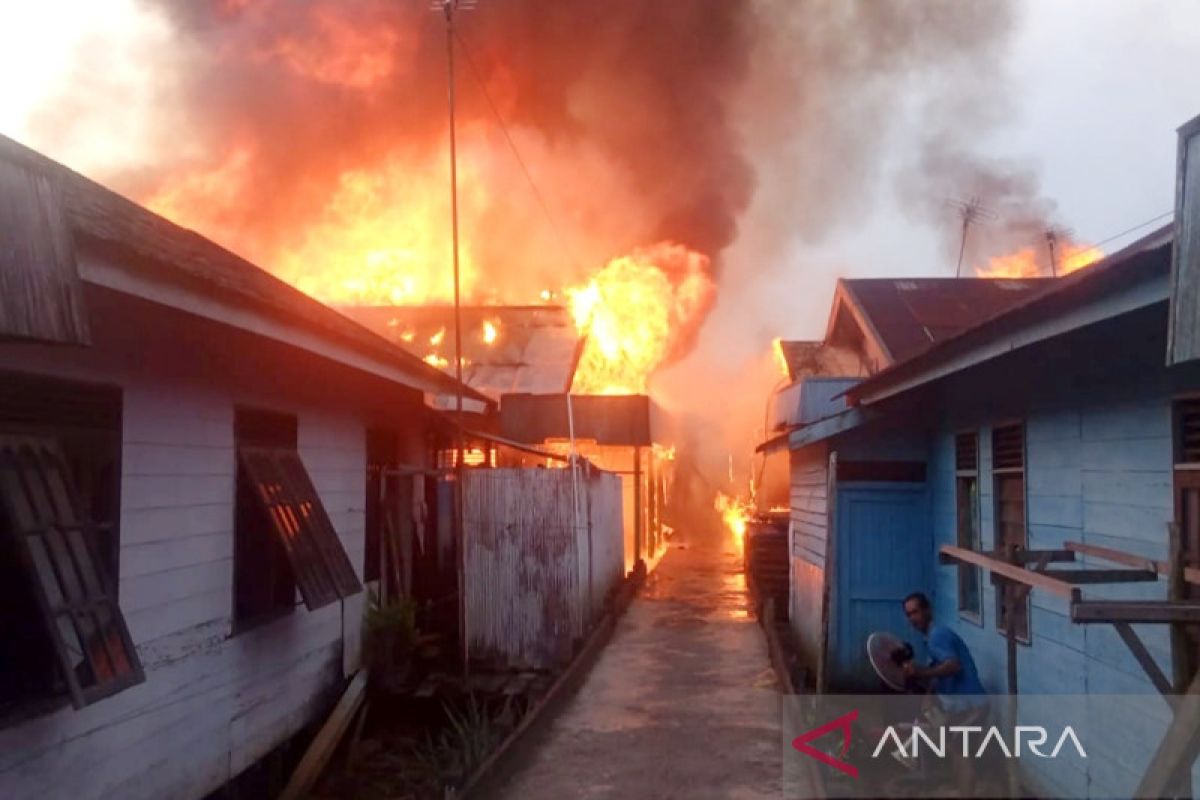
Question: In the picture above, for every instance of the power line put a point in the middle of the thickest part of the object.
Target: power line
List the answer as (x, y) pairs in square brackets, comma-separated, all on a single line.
[(1137, 227), (562, 242)]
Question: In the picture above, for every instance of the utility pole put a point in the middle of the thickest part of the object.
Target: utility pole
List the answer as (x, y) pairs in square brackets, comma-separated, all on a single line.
[(449, 8), (970, 212)]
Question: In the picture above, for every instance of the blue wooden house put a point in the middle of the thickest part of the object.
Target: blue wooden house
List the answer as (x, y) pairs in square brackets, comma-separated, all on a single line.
[(1051, 430), (1035, 471)]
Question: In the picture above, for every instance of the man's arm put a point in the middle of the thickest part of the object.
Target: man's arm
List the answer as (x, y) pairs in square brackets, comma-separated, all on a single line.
[(944, 669)]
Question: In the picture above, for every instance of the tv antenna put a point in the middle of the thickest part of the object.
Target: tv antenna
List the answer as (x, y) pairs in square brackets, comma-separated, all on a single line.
[(1053, 235), (969, 211)]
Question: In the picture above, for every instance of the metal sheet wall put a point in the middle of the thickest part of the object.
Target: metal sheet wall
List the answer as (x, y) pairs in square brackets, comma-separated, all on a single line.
[(537, 568)]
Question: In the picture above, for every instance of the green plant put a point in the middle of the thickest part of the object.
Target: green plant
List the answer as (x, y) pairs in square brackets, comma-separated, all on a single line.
[(392, 633), (469, 736)]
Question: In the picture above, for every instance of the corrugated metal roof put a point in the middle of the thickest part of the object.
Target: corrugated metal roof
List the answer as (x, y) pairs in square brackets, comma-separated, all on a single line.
[(143, 241), (535, 349), (1147, 256), (911, 314)]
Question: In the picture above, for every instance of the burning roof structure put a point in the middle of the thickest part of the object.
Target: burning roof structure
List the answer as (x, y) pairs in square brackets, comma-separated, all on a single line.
[(506, 349)]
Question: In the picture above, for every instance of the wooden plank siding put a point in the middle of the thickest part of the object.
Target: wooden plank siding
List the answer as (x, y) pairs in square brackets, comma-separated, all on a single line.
[(809, 502), (212, 703), (1098, 470)]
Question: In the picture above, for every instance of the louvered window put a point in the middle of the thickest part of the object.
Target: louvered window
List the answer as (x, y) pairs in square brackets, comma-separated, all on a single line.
[(1008, 447), (1008, 485), (53, 540), (62, 634), (1187, 483), (966, 496), (966, 452), (1187, 431), (284, 538)]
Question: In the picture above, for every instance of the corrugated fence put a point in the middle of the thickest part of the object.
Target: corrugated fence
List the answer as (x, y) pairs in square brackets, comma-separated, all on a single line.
[(538, 564)]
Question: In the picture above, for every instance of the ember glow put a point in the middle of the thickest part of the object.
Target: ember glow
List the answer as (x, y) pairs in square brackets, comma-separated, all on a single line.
[(637, 313), (1032, 263)]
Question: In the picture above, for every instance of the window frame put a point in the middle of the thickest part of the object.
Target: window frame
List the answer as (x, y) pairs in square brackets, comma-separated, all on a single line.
[(68, 579), (974, 543), (272, 476), (999, 475), (247, 513), (1185, 486)]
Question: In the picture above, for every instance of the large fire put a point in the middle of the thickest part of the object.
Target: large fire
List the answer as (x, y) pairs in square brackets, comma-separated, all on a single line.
[(384, 239), (636, 314), (1026, 263), (734, 513)]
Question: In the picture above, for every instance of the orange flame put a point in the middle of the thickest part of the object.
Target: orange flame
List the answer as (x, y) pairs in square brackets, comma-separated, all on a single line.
[(490, 331), (735, 514), (636, 314), (1025, 263), (780, 358)]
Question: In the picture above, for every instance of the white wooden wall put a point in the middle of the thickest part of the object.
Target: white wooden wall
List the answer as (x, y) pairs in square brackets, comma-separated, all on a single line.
[(212, 703)]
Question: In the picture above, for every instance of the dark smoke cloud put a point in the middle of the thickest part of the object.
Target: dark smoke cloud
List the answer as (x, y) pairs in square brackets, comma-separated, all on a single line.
[(646, 87), (668, 102)]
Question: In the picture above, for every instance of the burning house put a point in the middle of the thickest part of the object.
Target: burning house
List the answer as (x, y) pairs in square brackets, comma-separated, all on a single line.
[(539, 363), (190, 460)]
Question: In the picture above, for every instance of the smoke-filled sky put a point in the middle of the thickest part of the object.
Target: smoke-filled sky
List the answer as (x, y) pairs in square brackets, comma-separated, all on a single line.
[(791, 141)]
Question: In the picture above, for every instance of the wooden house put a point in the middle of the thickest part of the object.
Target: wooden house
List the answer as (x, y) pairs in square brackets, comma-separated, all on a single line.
[(190, 458), (1034, 474)]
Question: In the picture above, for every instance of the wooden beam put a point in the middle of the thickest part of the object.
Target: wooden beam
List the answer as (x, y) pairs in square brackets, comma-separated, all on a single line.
[(1013, 572), (1178, 747), (1024, 556), (1147, 611), (326, 740), (1190, 574), (1077, 576), (1147, 662)]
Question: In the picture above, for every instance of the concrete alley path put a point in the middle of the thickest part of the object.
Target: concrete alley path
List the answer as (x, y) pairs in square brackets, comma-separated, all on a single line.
[(681, 704)]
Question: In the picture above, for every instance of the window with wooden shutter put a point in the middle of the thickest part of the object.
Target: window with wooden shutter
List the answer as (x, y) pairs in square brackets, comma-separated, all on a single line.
[(283, 538), (1008, 483), (289, 502), (966, 485), (51, 533)]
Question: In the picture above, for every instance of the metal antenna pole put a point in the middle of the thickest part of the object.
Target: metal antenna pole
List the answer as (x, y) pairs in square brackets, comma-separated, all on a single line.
[(962, 247), (1051, 239), (448, 8), (970, 211)]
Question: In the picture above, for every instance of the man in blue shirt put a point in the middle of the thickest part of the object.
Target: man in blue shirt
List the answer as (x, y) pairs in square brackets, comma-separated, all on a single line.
[(951, 668), (952, 678)]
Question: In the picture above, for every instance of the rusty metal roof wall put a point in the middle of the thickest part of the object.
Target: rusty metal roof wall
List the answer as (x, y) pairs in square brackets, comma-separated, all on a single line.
[(535, 350), (110, 224), (911, 314), (608, 419)]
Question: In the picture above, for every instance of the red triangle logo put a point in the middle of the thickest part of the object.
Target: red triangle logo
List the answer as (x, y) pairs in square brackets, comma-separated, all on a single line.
[(842, 723)]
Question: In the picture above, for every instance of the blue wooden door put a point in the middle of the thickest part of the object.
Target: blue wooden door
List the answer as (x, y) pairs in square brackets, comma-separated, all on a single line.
[(884, 551)]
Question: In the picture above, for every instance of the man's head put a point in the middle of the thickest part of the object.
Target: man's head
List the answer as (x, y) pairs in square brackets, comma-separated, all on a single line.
[(916, 608)]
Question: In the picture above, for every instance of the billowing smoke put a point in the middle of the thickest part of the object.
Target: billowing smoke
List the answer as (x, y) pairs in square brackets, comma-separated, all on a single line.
[(1009, 220), (305, 134)]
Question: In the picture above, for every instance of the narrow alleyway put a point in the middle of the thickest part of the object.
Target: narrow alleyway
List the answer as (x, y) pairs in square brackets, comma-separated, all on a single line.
[(682, 703)]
